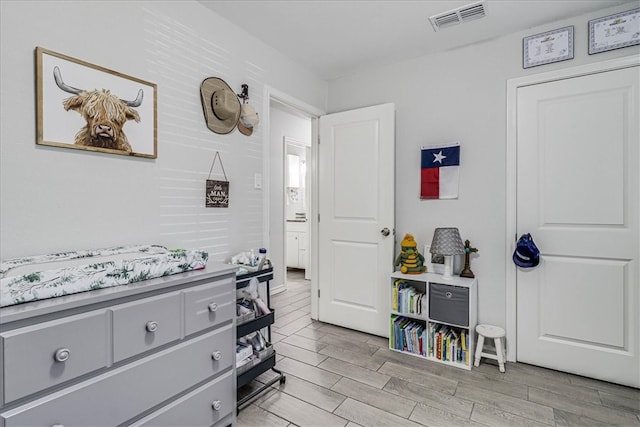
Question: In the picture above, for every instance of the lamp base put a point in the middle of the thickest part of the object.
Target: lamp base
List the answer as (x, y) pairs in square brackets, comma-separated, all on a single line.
[(448, 267)]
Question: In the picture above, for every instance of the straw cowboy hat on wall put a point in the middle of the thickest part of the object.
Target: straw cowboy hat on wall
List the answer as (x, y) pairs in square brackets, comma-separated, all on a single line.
[(220, 105)]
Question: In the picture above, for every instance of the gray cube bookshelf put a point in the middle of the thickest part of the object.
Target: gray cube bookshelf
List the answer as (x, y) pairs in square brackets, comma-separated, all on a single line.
[(433, 318)]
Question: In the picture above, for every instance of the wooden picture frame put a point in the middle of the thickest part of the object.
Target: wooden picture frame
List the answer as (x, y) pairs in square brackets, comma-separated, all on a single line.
[(548, 47), (435, 262), (614, 31), (66, 87)]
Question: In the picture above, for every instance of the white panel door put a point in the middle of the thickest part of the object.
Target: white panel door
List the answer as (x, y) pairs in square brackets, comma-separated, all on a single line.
[(356, 205), (578, 194)]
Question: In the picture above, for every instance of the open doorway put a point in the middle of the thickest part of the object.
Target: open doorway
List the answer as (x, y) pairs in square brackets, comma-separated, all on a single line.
[(287, 197), (298, 193)]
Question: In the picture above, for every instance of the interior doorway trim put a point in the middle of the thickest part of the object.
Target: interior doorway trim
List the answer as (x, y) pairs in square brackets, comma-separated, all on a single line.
[(511, 173), (272, 94)]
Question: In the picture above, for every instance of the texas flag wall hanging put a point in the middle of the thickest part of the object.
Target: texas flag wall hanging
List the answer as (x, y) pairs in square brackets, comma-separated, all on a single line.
[(439, 173)]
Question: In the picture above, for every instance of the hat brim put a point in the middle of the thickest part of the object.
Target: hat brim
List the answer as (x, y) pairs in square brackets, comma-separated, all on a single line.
[(215, 124), (244, 129), (248, 131), (525, 262)]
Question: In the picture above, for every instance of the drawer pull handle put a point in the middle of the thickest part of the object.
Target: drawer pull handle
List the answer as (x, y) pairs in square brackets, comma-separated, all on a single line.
[(216, 405), (151, 326), (216, 355), (57, 425), (448, 295), (213, 307), (62, 354)]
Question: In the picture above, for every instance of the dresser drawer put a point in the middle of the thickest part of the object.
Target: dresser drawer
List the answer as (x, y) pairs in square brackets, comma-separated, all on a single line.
[(40, 356), (117, 396), (142, 325), (202, 407), (209, 305), (449, 304)]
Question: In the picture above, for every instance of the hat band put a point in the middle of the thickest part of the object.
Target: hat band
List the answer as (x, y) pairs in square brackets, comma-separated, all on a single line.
[(524, 257), (222, 103)]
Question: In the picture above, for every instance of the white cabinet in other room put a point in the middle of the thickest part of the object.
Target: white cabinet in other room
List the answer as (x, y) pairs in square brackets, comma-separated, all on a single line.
[(297, 244)]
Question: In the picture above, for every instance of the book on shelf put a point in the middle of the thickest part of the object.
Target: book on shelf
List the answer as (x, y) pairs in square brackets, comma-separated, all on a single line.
[(391, 332), (407, 335), (428, 339), (466, 349), (416, 336), (407, 299), (396, 287), (448, 343)]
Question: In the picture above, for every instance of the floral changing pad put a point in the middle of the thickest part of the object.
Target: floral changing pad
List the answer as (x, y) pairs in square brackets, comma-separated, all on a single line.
[(49, 276)]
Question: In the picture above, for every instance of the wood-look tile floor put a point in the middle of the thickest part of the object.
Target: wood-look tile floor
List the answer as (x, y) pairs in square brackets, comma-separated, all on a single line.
[(340, 377)]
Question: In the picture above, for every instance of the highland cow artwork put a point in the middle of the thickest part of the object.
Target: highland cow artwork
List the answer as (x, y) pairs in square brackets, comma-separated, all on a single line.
[(88, 107)]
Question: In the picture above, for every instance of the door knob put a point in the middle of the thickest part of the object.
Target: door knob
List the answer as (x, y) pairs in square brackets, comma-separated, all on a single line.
[(385, 232)]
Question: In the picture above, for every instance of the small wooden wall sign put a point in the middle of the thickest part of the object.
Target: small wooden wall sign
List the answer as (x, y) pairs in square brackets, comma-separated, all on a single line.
[(217, 195), (217, 192)]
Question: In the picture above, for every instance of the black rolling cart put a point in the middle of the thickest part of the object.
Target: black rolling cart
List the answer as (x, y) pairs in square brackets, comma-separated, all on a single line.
[(265, 321)]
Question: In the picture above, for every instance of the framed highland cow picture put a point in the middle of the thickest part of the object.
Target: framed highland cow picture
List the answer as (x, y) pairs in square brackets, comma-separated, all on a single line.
[(89, 107)]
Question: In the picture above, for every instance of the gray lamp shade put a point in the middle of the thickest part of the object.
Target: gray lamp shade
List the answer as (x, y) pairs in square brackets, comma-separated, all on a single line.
[(447, 241)]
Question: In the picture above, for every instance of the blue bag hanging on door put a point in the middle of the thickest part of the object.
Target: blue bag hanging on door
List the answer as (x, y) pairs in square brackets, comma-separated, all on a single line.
[(526, 254)]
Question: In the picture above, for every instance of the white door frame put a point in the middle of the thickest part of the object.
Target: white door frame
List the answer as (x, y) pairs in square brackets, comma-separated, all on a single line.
[(511, 173), (314, 113)]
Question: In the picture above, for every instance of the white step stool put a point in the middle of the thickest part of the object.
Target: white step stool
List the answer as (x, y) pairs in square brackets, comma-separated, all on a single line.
[(497, 333)]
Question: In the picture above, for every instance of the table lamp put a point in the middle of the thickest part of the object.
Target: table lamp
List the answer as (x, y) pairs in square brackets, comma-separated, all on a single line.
[(447, 242)]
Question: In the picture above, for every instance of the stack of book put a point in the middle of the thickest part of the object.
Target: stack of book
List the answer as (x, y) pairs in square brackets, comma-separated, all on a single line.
[(448, 343), (408, 335), (406, 299)]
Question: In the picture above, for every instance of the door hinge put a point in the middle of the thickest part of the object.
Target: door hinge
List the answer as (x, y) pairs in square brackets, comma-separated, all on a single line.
[(318, 293), (318, 217)]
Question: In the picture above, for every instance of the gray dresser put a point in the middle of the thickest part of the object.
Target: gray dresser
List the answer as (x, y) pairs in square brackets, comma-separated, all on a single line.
[(154, 353)]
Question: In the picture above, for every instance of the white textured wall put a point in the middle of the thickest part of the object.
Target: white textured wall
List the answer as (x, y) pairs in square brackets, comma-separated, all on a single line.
[(460, 96), (55, 199)]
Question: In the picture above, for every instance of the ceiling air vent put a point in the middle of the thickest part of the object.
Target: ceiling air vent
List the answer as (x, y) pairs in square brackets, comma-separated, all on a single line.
[(459, 16)]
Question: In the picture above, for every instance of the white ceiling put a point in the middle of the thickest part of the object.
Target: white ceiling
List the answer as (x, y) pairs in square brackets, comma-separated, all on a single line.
[(333, 38)]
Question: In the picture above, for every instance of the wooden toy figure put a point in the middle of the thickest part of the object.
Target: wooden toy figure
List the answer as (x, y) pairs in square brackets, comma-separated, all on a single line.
[(410, 260)]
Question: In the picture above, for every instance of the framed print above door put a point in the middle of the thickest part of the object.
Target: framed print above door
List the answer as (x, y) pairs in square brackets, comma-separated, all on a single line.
[(614, 31), (548, 47)]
